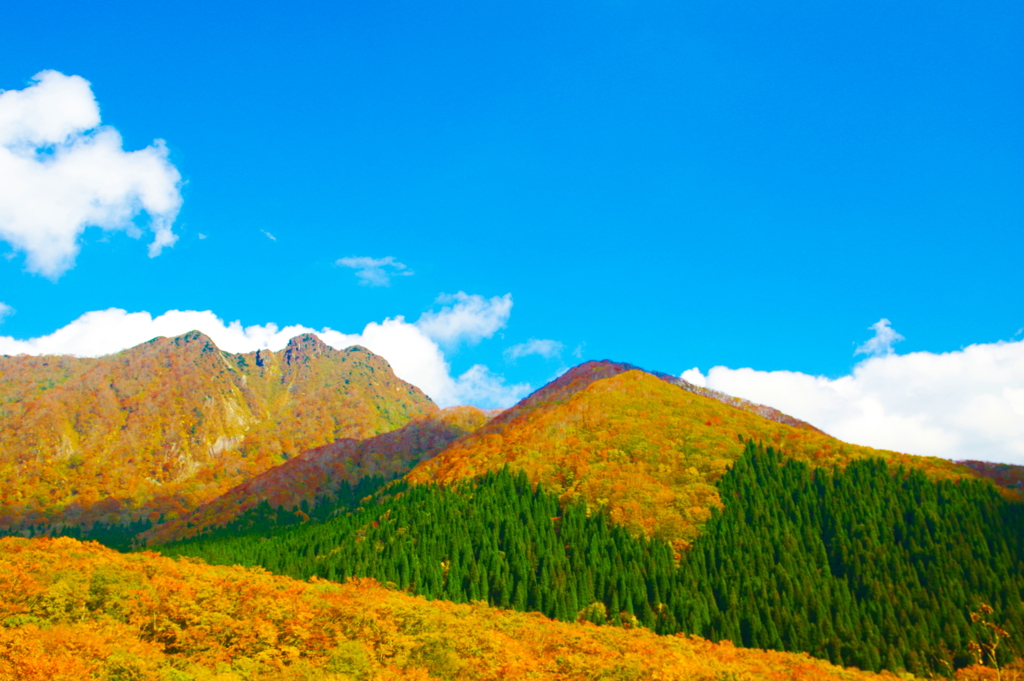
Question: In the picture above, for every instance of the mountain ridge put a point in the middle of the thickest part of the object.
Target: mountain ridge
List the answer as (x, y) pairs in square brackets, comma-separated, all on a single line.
[(183, 420)]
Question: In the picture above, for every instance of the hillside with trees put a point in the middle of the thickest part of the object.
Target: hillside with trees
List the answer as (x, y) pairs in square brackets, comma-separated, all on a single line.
[(647, 450), (73, 611), (156, 430), (869, 565), (612, 502), (1008, 476), (318, 476)]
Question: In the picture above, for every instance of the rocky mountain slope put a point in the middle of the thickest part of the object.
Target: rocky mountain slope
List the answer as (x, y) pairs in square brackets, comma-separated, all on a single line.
[(319, 472), (167, 425)]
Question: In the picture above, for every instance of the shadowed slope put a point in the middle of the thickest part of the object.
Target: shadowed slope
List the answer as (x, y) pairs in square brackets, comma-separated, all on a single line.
[(175, 421), (320, 471), (647, 449)]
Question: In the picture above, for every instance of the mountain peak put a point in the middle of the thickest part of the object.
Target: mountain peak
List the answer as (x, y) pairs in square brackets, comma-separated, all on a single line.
[(194, 338), (305, 347), (191, 340)]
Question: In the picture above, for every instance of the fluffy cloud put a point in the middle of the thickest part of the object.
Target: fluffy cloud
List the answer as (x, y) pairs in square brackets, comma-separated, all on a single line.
[(375, 271), (883, 340), (413, 354), (547, 349), (466, 318), (966, 404), (5, 311), (61, 171)]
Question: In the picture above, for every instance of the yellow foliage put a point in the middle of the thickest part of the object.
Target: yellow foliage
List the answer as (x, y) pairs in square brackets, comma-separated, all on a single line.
[(89, 612), (647, 449)]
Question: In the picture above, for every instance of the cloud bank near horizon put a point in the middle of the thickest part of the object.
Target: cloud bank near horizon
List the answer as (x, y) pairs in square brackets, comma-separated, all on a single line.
[(966, 404), (412, 349), (61, 171)]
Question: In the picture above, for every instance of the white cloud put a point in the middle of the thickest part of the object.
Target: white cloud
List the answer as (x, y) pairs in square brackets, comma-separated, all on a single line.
[(466, 318), (480, 386), (414, 355), (883, 340), (61, 172), (268, 235), (547, 349), (5, 311), (694, 376), (966, 404), (375, 271)]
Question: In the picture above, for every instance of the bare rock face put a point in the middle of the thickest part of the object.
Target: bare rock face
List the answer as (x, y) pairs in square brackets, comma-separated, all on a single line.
[(171, 423)]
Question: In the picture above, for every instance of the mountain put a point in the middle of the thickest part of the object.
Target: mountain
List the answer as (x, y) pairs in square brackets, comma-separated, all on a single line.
[(611, 496), (648, 448), (164, 426), (871, 566), (75, 611), (319, 473)]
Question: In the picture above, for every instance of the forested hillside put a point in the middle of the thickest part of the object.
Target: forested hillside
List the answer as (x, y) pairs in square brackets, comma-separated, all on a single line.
[(1007, 476), (649, 451), (616, 501), (75, 611), (318, 475), (869, 565), (162, 427)]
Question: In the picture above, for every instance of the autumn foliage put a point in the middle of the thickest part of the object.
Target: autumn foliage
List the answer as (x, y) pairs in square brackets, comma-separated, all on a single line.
[(162, 427), (75, 611), (1008, 476), (648, 450), (317, 473)]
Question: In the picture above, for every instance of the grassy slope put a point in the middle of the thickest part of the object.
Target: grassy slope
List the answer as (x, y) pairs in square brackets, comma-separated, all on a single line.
[(319, 471), (174, 422), (649, 450), (74, 611)]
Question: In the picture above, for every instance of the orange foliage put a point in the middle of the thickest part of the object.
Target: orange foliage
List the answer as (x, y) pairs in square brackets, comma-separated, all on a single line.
[(648, 450), (83, 611), (1012, 672), (174, 422)]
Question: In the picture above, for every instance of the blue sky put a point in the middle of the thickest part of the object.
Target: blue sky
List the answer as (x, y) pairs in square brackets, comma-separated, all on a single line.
[(674, 185)]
